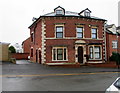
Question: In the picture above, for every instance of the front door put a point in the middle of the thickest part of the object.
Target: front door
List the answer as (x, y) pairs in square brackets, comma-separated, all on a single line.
[(39, 56), (36, 56), (80, 54)]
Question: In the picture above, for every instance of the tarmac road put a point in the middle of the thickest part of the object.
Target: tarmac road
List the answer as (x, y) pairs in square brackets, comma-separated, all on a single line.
[(37, 77)]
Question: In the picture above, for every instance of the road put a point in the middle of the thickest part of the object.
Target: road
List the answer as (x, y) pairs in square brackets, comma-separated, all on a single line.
[(36, 77)]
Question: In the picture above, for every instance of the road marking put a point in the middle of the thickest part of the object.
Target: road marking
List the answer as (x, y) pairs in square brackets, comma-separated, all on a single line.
[(70, 74)]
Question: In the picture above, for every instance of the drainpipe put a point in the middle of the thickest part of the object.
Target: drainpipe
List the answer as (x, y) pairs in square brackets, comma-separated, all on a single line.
[(105, 40)]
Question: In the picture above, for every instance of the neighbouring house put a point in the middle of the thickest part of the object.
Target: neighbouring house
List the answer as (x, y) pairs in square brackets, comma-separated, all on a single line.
[(118, 30), (112, 40), (65, 37), (4, 52), (26, 45)]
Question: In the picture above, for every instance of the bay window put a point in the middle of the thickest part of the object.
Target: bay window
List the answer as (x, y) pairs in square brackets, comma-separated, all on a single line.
[(59, 54), (95, 52)]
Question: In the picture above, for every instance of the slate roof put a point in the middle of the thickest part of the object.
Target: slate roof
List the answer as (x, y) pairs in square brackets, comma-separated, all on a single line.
[(4, 43), (85, 10), (72, 14), (118, 28), (67, 14)]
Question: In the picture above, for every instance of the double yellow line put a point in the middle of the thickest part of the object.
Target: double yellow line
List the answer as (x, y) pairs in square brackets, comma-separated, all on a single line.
[(70, 74)]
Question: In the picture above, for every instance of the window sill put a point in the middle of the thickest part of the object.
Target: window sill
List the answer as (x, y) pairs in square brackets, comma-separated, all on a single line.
[(59, 60), (94, 59)]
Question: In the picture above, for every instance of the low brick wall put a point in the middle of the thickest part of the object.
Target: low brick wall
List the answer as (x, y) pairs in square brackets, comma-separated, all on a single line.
[(19, 56), (107, 64)]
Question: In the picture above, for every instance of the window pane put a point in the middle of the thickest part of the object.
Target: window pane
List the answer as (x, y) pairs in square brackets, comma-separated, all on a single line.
[(94, 33), (94, 36), (114, 44), (60, 51), (59, 57), (59, 54), (79, 29), (91, 52), (94, 30), (59, 35), (91, 55), (79, 35), (91, 49), (97, 52), (59, 29), (59, 12), (97, 49), (97, 55)]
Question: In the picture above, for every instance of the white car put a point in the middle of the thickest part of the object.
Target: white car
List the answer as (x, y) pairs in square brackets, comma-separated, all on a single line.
[(115, 87)]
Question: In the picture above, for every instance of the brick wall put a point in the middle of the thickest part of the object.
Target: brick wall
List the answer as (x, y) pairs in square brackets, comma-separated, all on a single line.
[(69, 31), (19, 56), (26, 45), (70, 27), (37, 43), (109, 49)]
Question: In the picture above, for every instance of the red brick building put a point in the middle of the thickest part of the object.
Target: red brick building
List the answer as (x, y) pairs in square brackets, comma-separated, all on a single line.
[(26, 45), (64, 37), (118, 30), (112, 40)]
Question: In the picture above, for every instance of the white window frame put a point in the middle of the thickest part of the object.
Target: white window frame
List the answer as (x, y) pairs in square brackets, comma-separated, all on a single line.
[(80, 26), (96, 32), (114, 44), (56, 31), (93, 46), (57, 54)]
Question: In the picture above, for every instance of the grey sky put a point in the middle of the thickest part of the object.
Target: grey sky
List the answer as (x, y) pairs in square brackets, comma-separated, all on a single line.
[(16, 15)]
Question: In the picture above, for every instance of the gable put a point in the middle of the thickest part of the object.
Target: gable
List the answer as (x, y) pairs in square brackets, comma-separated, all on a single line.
[(59, 11), (85, 12)]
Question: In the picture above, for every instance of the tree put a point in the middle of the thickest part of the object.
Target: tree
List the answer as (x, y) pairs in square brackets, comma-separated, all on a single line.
[(116, 57), (12, 49)]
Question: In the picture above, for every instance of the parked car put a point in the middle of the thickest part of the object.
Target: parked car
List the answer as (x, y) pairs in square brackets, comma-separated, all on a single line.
[(115, 87)]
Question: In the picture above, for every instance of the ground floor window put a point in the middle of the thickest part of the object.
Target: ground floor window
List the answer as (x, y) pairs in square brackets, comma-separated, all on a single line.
[(59, 54), (95, 52), (31, 52)]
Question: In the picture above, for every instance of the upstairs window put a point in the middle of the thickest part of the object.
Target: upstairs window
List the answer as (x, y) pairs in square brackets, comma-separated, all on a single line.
[(94, 33), (32, 37), (79, 32), (59, 31), (31, 52), (114, 44), (59, 12), (87, 14)]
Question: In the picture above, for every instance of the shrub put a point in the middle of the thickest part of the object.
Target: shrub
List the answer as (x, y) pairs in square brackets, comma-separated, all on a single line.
[(12, 49)]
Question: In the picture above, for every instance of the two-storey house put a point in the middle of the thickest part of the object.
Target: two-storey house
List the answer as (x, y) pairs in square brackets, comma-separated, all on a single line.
[(112, 40), (64, 37)]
